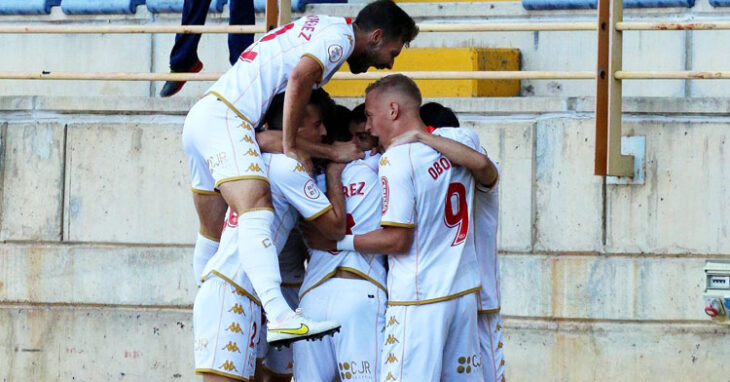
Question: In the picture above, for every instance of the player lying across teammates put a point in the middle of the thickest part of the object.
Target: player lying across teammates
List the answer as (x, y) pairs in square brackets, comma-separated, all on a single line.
[(436, 317)]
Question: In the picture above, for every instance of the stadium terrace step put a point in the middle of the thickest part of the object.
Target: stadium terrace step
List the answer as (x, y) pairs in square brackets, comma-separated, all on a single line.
[(83, 7), (446, 59), (176, 6), (27, 7)]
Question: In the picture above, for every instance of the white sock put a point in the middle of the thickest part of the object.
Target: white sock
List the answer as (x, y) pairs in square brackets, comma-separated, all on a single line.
[(260, 261), (204, 250)]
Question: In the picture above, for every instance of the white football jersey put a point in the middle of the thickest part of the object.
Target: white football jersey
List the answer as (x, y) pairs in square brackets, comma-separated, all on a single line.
[(423, 190), (263, 69), (486, 216), (362, 201), (293, 192)]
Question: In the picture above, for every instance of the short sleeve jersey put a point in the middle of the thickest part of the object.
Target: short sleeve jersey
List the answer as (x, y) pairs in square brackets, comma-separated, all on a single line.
[(263, 69), (423, 190), (486, 215), (362, 201)]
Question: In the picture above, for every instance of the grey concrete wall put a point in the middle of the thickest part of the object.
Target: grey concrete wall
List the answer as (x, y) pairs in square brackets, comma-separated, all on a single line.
[(561, 51), (599, 282)]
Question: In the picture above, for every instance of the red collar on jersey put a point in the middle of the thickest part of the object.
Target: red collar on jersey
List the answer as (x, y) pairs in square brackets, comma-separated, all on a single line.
[(430, 129)]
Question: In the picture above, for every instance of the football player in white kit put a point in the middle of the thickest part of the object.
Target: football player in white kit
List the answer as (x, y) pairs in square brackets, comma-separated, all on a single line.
[(347, 286), (226, 297), (486, 211), (225, 162), (431, 319)]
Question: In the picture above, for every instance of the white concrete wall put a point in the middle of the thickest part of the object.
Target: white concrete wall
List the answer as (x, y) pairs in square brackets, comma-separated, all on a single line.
[(599, 282)]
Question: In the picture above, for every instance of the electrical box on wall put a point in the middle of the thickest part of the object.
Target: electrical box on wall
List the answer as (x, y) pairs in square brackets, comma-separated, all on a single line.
[(717, 290)]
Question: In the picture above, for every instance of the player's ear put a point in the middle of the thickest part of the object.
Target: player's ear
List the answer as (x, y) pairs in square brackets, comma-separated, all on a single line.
[(376, 36), (394, 111)]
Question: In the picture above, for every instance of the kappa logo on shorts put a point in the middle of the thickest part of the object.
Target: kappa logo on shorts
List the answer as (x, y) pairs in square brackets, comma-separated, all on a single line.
[(391, 358), (201, 344), (335, 53), (500, 345), (391, 340), (235, 328), (390, 377), (254, 167), (231, 347), (240, 293), (216, 160), (246, 126), (237, 309), (252, 153), (228, 366), (392, 321), (246, 139), (499, 327), (290, 365)]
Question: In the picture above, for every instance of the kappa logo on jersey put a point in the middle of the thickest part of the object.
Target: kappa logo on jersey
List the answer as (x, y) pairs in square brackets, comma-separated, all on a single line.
[(335, 53), (228, 366), (252, 153), (246, 139), (390, 377), (231, 347), (391, 358), (299, 168), (386, 193), (237, 309), (254, 167), (310, 190), (235, 328), (246, 126), (499, 327), (384, 161), (349, 38), (391, 340)]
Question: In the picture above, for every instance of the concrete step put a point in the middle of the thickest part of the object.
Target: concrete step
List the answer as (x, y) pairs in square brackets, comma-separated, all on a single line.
[(446, 59)]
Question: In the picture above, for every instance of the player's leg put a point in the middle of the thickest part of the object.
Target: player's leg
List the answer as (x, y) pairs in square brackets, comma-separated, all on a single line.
[(408, 354), (490, 343), (211, 208), (278, 364), (226, 326), (360, 307), (461, 355), (316, 360)]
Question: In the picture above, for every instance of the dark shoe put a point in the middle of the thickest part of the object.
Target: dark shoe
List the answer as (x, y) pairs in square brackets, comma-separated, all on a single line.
[(172, 87)]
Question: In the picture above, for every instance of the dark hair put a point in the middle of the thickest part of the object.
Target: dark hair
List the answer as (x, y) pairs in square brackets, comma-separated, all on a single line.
[(358, 114), (274, 116), (338, 125), (437, 115), (385, 15), (399, 83)]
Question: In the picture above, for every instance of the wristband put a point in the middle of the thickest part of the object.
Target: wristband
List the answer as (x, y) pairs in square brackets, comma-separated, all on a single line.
[(347, 243)]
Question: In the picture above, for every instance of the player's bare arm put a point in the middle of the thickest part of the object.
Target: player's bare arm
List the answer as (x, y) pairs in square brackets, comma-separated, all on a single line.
[(387, 240), (332, 223), (299, 88), (270, 141), (481, 167)]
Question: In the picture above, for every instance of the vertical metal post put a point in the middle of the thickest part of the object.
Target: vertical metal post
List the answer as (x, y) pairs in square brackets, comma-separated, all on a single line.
[(284, 12), (272, 14), (609, 93)]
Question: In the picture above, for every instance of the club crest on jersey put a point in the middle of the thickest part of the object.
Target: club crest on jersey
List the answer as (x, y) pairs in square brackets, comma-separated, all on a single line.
[(386, 193), (310, 190), (335, 53)]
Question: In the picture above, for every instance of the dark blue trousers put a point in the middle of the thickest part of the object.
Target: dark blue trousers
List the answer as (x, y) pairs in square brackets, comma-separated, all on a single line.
[(185, 52)]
